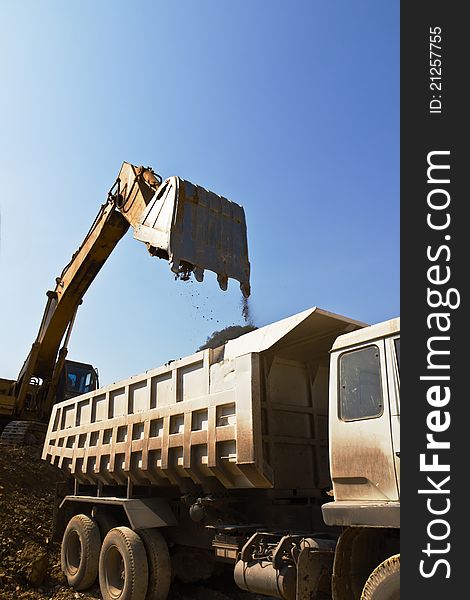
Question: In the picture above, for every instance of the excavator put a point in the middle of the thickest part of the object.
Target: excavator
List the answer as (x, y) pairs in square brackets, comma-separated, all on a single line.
[(190, 227)]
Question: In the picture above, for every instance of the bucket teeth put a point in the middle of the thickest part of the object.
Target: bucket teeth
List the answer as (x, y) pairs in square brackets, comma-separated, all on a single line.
[(245, 289), (175, 266), (181, 269), (223, 282), (198, 274)]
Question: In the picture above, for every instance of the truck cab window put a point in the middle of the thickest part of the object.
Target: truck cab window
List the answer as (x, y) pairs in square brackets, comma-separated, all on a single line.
[(360, 387)]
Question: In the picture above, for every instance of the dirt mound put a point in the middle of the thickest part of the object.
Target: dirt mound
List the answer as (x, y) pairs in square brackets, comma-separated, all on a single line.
[(30, 561), (217, 338)]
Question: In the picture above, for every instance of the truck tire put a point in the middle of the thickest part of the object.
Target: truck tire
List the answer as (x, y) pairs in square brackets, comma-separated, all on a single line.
[(123, 567), (384, 581), (80, 550), (159, 564)]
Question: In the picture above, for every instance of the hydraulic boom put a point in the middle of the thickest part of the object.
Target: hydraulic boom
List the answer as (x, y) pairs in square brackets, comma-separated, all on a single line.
[(191, 227)]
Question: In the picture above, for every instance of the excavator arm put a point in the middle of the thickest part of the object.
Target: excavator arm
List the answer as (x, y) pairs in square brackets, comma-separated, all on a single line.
[(192, 228)]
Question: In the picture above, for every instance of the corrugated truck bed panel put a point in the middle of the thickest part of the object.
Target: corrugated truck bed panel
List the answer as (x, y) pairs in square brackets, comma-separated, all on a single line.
[(255, 418)]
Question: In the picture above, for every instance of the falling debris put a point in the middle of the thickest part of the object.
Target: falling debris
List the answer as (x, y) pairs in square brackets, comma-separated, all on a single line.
[(217, 338), (246, 313)]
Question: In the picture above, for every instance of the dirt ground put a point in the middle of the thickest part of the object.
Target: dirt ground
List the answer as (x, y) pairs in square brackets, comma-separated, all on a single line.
[(30, 561)]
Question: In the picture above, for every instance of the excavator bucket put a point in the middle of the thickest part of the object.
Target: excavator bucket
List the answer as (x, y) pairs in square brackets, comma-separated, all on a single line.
[(196, 230)]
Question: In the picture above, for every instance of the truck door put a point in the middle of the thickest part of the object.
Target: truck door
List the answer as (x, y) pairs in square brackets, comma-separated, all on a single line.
[(392, 350), (361, 448)]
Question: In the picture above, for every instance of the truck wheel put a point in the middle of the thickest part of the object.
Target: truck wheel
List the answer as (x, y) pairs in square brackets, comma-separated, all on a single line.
[(123, 567), (159, 564), (80, 550), (384, 581)]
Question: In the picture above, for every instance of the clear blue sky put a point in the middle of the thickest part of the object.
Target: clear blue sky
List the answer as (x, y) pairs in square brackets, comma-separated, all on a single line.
[(288, 108)]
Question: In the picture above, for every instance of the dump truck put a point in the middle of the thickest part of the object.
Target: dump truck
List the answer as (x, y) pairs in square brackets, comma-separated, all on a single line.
[(276, 455), (189, 226)]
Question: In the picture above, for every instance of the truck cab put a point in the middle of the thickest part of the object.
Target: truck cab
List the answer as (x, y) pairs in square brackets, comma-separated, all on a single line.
[(364, 452), (364, 426)]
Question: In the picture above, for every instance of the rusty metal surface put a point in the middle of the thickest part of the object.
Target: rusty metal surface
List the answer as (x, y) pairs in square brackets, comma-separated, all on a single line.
[(198, 227)]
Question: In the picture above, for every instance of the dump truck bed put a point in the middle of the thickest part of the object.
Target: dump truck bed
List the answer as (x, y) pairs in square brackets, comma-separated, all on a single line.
[(251, 413)]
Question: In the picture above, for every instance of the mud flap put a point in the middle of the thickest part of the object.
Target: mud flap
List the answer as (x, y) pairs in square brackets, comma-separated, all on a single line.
[(196, 230)]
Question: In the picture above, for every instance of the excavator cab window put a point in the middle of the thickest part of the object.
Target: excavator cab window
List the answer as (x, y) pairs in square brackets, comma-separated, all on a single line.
[(80, 379)]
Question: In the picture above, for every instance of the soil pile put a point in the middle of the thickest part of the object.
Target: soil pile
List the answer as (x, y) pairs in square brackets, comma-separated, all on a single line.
[(29, 561)]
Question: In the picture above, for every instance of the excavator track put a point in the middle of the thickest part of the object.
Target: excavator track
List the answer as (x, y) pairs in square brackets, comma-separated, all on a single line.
[(24, 433)]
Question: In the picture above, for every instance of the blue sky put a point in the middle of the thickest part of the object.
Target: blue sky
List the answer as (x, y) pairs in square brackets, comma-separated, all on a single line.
[(288, 108)]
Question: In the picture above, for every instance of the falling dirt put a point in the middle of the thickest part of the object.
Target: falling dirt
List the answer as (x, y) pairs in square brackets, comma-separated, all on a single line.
[(246, 312), (217, 338)]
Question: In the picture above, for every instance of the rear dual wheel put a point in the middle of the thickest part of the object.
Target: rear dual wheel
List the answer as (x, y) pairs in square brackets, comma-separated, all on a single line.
[(133, 566), (159, 564), (123, 569)]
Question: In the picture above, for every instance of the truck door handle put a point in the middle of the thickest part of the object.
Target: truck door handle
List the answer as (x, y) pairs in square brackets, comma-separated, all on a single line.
[(398, 453)]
